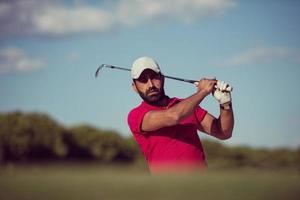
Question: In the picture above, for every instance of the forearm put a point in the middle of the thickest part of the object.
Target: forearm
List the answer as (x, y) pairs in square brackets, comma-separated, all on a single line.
[(186, 107), (225, 123)]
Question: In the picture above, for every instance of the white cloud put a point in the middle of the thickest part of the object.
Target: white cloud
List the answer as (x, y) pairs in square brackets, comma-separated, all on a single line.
[(262, 54), (135, 12), (60, 20), (16, 60), (53, 18)]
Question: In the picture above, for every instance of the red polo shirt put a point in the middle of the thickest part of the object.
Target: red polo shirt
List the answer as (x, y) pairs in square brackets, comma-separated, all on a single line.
[(173, 148)]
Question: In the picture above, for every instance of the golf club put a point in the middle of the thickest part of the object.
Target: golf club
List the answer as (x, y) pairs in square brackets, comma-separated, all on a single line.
[(229, 88), (126, 69)]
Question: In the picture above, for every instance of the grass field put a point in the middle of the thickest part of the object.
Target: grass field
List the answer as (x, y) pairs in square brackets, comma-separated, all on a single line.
[(79, 182)]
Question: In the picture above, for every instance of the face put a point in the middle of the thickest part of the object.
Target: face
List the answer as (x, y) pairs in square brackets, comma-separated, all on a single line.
[(150, 86)]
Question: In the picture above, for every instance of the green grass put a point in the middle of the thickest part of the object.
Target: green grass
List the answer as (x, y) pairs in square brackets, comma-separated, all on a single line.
[(63, 182)]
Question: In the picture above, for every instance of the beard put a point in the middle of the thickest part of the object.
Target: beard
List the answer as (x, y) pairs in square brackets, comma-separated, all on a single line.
[(153, 95)]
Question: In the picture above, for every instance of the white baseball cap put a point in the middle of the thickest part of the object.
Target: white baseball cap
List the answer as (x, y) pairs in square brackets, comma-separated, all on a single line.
[(142, 63)]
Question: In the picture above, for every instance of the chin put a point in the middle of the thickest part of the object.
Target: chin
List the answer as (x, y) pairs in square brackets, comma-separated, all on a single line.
[(154, 98)]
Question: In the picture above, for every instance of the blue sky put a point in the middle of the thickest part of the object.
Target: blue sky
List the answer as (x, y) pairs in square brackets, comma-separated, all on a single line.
[(49, 51)]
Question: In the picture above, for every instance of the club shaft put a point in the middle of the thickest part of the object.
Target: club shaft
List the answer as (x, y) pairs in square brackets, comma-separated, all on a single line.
[(115, 67), (181, 79), (170, 77)]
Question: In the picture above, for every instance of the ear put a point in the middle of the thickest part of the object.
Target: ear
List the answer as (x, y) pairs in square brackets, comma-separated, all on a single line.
[(134, 87)]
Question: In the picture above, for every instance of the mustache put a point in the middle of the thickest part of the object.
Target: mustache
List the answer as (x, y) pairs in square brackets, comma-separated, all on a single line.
[(152, 89)]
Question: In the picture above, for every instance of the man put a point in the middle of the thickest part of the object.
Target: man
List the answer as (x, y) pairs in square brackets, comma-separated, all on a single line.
[(166, 128)]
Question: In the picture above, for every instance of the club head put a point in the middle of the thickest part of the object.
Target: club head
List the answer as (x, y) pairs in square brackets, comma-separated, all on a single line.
[(99, 69)]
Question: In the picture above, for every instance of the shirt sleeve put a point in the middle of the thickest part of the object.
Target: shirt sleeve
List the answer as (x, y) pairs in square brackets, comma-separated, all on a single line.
[(200, 114), (135, 119)]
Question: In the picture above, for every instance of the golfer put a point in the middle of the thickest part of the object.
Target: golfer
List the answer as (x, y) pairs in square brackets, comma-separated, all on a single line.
[(166, 128)]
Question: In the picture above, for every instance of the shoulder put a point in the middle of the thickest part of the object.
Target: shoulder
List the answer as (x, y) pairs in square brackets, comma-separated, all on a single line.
[(135, 117), (137, 112)]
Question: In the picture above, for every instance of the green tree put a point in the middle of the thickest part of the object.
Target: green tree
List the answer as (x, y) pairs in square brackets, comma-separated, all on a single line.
[(86, 142), (30, 136)]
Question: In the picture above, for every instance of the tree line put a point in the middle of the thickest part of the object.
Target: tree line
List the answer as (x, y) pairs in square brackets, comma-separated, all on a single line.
[(26, 137), (37, 137)]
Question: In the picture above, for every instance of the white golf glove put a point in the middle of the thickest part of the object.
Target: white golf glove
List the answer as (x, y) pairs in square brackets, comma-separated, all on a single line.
[(222, 92)]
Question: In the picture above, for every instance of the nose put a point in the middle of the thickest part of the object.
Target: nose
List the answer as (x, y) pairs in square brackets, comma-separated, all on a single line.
[(149, 82)]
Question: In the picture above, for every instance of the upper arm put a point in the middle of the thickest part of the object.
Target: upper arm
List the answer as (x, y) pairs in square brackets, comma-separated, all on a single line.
[(209, 125)]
